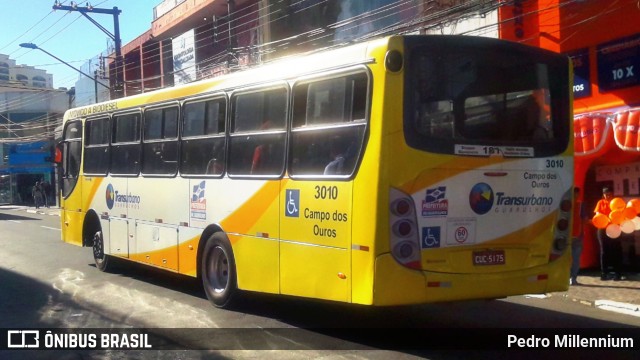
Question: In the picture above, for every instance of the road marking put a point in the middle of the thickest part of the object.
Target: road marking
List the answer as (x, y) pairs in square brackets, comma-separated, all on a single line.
[(16, 221), (50, 228)]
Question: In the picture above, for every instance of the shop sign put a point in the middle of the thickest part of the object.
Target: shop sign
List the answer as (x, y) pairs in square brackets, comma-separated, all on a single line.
[(619, 63)]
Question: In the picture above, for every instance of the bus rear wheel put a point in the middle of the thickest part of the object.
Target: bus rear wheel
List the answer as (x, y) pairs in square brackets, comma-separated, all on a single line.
[(102, 260), (218, 270)]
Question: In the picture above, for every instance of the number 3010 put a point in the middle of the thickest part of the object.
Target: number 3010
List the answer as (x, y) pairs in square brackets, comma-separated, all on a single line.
[(555, 163), (326, 192)]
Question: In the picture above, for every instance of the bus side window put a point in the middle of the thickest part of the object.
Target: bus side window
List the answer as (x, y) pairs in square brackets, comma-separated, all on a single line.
[(72, 156), (328, 141), (97, 148), (74, 159), (203, 137), (125, 150), (258, 133), (160, 142)]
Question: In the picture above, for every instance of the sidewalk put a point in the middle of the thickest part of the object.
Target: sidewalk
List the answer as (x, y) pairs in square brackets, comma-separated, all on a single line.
[(620, 296), (53, 210)]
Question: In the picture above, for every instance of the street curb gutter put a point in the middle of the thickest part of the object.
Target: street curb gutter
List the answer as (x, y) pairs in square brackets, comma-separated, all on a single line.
[(42, 212), (619, 307)]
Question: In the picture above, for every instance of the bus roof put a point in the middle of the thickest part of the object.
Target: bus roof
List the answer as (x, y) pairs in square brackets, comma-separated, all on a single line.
[(281, 69)]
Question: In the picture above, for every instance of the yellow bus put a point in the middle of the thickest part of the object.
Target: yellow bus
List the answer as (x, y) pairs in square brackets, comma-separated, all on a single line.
[(402, 170)]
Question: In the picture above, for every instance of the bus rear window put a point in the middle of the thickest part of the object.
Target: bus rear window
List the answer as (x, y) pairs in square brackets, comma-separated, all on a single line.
[(485, 95)]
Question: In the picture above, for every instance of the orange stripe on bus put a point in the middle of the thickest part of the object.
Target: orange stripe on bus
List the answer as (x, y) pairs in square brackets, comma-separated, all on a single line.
[(95, 184), (454, 167), (248, 214)]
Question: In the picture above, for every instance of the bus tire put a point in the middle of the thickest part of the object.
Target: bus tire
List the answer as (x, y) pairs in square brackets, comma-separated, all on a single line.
[(103, 261), (218, 270)]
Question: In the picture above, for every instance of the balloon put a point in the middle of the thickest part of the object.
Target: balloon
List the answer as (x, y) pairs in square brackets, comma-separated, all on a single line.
[(627, 226), (601, 221), (617, 204), (617, 217), (636, 222), (613, 231), (634, 203), (630, 213)]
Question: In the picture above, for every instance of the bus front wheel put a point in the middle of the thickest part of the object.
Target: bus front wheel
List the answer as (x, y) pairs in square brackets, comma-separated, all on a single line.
[(218, 270), (101, 259)]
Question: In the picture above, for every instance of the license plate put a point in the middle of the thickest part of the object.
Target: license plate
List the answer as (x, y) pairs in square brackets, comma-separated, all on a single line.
[(489, 257)]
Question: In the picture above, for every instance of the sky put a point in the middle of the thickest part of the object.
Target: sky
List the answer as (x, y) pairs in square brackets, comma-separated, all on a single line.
[(67, 35)]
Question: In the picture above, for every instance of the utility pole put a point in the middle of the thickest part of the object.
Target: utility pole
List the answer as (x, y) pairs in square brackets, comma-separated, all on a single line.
[(231, 39), (118, 87)]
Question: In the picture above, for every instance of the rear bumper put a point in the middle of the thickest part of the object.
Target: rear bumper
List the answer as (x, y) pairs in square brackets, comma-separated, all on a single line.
[(397, 285)]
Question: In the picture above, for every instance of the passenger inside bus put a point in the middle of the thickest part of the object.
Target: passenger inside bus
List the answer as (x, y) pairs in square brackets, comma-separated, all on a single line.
[(338, 151), (261, 153), (531, 114), (215, 166)]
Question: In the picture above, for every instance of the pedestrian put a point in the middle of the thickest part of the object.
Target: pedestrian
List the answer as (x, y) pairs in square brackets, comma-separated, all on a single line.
[(36, 192), (610, 249), (46, 187), (579, 216)]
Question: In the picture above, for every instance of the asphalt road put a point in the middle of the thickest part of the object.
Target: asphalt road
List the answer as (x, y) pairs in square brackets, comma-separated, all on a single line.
[(49, 284)]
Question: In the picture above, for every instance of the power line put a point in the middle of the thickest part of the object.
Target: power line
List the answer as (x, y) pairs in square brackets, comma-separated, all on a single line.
[(430, 18)]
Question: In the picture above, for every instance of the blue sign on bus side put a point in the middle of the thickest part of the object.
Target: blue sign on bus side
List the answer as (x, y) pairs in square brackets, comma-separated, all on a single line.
[(292, 203)]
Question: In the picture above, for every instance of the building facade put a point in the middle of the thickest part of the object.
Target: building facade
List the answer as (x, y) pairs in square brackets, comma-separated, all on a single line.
[(23, 75), (30, 110), (190, 40)]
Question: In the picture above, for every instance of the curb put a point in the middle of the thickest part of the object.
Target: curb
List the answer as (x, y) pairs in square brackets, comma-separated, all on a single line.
[(619, 307), (608, 305), (42, 212)]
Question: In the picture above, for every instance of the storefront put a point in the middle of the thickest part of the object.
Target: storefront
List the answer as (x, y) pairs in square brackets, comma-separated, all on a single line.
[(607, 153), (603, 41), (26, 164)]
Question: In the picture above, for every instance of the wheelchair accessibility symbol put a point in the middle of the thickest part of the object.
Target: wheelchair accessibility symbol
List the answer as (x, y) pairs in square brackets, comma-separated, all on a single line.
[(292, 203), (430, 237)]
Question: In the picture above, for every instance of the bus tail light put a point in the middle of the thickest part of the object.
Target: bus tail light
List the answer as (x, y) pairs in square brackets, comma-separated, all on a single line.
[(57, 157), (401, 207), (561, 229), (563, 224), (404, 240)]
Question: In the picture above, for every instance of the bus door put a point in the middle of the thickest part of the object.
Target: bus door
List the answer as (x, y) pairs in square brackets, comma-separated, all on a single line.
[(315, 239), (152, 196), (72, 214), (120, 226), (157, 214), (247, 201), (124, 170), (329, 120)]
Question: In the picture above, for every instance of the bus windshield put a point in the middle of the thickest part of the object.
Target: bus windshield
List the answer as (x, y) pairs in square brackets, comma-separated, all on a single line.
[(462, 96)]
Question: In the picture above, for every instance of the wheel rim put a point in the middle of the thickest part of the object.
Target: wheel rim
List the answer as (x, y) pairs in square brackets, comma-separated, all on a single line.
[(218, 270), (98, 252)]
